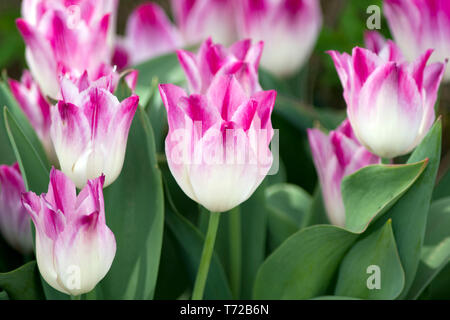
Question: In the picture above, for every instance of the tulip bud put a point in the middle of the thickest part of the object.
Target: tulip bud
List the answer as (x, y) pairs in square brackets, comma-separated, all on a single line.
[(35, 107), (74, 247), (149, 33), (89, 131), (390, 105), (14, 221), (241, 60), (63, 40), (289, 29), (336, 156), (217, 147), (200, 19), (420, 25)]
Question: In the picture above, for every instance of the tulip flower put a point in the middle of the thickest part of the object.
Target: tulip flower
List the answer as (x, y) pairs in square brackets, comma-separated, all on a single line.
[(335, 156), (74, 247), (241, 60), (289, 29), (89, 131), (386, 49), (59, 43), (200, 19), (15, 224), (390, 105), (217, 147), (35, 107), (149, 33), (419, 25)]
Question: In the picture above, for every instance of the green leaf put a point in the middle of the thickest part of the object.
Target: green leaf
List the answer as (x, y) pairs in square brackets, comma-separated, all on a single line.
[(287, 206), (303, 266), (190, 240), (23, 283), (442, 190), (370, 191), (409, 213), (334, 298), (436, 247), (134, 206), (378, 249), (317, 213)]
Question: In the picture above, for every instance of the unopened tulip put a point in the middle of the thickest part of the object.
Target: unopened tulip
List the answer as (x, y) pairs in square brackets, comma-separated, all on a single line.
[(149, 33), (419, 25), (74, 247), (15, 224), (289, 29), (217, 147), (335, 156), (390, 105), (200, 19), (241, 60), (62, 39), (89, 131), (35, 107)]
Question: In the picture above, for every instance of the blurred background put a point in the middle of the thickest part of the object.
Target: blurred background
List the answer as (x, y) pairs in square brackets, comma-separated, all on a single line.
[(317, 85)]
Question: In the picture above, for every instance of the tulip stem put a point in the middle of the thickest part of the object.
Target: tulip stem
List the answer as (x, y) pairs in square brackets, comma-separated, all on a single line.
[(386, 161), (208, 249), (78, 297)]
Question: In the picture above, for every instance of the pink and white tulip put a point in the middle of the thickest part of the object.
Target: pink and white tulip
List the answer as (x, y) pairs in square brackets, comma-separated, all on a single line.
[(217, 147), (59, 41), (74, 247), (89, 131), (35, 107), (15, 224), (335, 156), (149, 33), (420, 25), (199, 19), (241, 59), (390, 104), (289, 29)]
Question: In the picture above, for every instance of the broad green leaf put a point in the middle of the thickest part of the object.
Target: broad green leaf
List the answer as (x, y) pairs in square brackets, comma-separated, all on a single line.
[(134, 207), (436, 247), (377, 250), (442, 190), (317, 213), (190, 240), (334, 298), (303, 266), (3, 295), (23, 283), (409, 213), (372, 190), (287, 206)]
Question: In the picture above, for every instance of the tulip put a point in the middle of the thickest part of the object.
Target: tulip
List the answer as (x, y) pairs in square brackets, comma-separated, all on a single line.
[(420, 25), (149, 33), (59, 42), (74, 247), (386, 49), (335, 156), (89, 131), (217, 147), (200, 19), (390, 105), (289, 29), (14, 221), (241, 60), (35, 107)]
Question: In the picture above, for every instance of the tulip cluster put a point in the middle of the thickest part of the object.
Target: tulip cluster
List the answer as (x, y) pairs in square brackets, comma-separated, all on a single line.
[(289, 28)]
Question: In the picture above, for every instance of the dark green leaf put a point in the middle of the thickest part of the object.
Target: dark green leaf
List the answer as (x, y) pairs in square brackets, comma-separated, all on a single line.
[(23, 283)]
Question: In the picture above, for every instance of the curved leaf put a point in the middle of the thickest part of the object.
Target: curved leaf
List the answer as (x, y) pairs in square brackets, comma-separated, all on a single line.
[(23, 283)]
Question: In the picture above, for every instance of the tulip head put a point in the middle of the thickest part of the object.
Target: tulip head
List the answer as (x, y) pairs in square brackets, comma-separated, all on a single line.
[(199, 19), (14, 221), (74, 247), (335, 156), (59, 41), (420, 25), (390, 104), (89, 131), (35, 107), (289, 29), (241, 60), (217, 147)]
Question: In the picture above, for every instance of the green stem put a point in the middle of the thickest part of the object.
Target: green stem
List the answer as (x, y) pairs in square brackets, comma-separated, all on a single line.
[(208, 249), (235, 251), (78, 297), (386, 161)]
